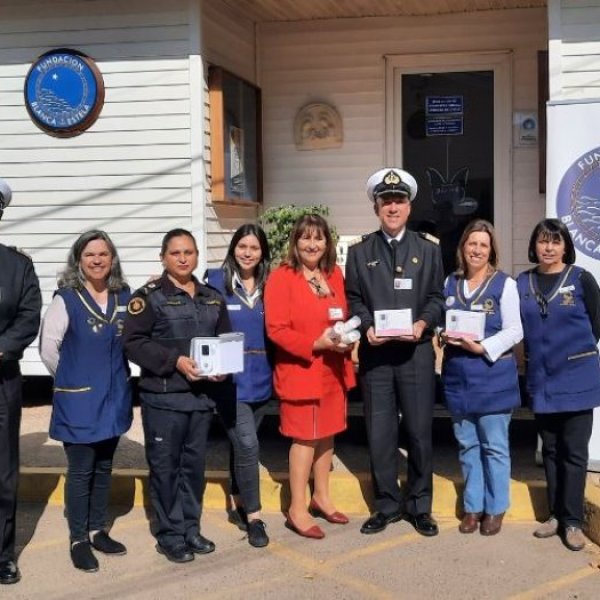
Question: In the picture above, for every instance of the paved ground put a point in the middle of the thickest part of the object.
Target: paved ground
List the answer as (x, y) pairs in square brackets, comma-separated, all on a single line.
[(395, 564)]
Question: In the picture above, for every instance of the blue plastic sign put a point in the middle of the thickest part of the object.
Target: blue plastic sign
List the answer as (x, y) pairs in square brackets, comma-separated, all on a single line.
[(578, 202), (444, 105), (64, 92), (452, 126)]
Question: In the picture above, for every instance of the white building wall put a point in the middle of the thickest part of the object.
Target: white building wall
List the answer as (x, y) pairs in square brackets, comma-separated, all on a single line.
[(229, 41), (574, 49), (341, 62), (130, 173)]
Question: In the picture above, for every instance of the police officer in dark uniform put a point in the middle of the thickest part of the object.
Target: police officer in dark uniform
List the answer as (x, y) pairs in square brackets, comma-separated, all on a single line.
[(20, 306), (177, 401), (394, 268)]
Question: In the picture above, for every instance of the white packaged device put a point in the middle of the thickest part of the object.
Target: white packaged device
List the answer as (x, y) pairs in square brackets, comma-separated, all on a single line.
[(219, 355), (465, 324), (392, 323), (348, 331)]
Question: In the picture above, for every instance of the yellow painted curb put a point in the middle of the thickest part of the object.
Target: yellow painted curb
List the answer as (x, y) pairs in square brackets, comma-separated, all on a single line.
[(351, 493)]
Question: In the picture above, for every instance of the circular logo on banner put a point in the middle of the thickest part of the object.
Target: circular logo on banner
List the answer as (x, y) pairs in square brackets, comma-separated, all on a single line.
[(578, 202), (64, 92)]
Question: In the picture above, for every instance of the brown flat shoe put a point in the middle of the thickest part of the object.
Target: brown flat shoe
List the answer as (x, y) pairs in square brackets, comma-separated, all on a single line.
[(470, 522), (491, 524), (574, 539)]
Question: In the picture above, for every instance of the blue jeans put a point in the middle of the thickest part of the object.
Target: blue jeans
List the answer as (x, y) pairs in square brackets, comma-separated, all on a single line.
[(485, 461)]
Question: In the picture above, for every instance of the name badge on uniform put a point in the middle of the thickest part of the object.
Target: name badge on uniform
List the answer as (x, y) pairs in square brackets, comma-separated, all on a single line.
[(402, 283), (121, 308), (567, 288), (335, 313), (476, 306), (234, 307)]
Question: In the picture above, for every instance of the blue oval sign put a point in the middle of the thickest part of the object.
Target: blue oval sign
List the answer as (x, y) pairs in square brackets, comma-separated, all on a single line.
[(64, 92)]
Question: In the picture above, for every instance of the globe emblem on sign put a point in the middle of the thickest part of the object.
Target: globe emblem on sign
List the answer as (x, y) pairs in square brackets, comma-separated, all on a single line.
[(578, 202), (64, 92)]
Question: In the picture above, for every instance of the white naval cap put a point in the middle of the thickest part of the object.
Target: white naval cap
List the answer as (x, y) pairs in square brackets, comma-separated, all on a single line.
[(5, 194), (391, 181)]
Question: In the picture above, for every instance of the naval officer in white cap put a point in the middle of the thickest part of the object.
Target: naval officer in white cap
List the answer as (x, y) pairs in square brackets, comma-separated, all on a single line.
[(20, 305), (394, 268)]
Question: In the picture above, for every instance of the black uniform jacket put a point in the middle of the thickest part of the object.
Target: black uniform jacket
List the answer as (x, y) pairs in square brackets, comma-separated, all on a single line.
[(20, 304), (161, 321), (370, 273)]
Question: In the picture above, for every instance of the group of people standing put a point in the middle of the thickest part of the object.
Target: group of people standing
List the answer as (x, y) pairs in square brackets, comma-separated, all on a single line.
[(95, 324)]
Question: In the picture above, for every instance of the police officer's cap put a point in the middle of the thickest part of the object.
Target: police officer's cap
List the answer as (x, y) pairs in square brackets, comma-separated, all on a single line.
[(391, 182), (5, 194)]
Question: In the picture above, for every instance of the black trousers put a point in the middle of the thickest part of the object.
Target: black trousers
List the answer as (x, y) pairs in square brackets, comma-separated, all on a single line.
[(176, 454), (87, 487), (244, 454), (11, 396), (565, 440), (406, 386)]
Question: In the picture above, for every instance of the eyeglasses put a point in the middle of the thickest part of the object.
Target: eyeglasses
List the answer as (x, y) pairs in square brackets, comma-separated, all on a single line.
[(542, 303)]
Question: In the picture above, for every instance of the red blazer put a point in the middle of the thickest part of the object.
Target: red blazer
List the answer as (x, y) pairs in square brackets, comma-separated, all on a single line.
[(295, 317)]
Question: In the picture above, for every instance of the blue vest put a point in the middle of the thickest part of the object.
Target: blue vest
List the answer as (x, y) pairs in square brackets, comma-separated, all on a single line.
[(563, 372), (254, 384), (473, 384), (92, 397)]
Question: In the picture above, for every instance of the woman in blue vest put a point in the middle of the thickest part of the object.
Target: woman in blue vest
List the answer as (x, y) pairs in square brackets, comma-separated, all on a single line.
[(241, 280), (80, 344), (480, 376), (560, 307)]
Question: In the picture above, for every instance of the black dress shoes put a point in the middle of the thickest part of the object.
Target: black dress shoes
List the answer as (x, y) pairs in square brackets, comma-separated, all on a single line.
[(378, 522), (257, 533), (199, 544), (424, 524), (9, 572), (82, 556), (177, 554), (102, 542)]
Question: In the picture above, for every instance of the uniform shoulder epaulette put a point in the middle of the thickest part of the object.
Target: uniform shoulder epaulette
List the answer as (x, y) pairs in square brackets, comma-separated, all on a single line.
[(150, 287), (429, 237), (358, 240)]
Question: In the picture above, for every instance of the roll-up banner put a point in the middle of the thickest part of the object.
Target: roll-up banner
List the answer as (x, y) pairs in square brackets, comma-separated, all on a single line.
[(573, 193)]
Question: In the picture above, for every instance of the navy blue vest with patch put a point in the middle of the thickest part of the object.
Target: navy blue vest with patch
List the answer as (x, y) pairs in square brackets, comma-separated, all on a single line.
[(473, 384), (92, 396), (254, 384), (563, 373)]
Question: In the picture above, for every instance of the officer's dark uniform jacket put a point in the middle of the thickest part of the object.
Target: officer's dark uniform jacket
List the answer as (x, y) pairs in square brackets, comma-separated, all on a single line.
[(370, 273), (20, 304), (473, 384), (563, 373), (160, 323)]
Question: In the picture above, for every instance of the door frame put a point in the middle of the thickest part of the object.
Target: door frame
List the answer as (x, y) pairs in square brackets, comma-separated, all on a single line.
[(500, 62)]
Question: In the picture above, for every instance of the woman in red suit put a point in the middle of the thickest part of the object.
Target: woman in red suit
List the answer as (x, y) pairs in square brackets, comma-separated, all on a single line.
[(304, 298)]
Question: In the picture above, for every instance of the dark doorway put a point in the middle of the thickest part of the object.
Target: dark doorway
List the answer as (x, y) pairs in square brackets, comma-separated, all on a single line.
[(448, 146)]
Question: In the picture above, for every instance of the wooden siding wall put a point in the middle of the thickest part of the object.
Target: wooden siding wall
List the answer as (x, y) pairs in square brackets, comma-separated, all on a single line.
[(130, 173), (576, 72), (342, 62), (228, 42)]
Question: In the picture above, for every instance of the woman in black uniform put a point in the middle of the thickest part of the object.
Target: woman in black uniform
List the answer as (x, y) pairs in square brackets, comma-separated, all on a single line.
[(177, 401)]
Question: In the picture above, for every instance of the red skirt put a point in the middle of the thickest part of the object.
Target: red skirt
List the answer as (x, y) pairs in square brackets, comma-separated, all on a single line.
[(315, 419)]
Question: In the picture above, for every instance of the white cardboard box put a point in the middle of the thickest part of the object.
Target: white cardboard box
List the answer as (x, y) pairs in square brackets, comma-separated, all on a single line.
[(391, 323), (219, 355), (466, 324)]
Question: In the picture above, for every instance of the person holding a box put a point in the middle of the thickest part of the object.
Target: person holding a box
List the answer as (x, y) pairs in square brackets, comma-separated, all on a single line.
[(304, 298), (81, 346), (241, 280), (177, 400), (560, 308), (397, 274), (479, 374)]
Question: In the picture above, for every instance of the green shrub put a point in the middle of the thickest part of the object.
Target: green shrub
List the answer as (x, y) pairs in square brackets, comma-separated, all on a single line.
[(278, 222)]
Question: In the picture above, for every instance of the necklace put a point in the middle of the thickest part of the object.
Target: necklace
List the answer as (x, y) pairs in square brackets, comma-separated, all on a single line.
[(315, 282)]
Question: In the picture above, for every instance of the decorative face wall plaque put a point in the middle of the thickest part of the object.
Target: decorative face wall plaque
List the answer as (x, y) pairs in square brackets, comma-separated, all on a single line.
[(318, 126)]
